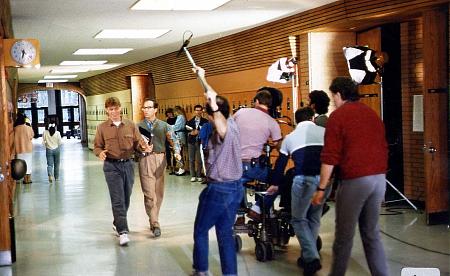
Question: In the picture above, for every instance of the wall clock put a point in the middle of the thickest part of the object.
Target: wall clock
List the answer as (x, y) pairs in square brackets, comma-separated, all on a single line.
[(21, 52)]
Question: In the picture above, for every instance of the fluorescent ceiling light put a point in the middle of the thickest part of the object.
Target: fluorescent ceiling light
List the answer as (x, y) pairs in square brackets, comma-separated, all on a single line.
[(131, 33), (46, 81), (178, 5), (60, 76), (83, 62), (69, 70), (103, 66), (102, 51)]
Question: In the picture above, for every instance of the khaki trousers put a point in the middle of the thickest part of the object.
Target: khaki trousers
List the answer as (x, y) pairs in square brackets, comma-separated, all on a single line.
[(151, 173)]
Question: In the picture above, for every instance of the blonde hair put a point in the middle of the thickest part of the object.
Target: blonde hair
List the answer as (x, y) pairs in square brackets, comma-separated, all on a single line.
[(112, 101)]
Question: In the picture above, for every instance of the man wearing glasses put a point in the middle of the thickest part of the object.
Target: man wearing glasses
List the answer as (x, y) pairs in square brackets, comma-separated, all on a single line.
[(152, 165)]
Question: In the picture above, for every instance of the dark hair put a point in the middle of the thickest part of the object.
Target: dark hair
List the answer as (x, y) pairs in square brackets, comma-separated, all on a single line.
[(346, 87), (264, 97), (52, 129), (169, 110), (112, 101), (20, 119), (198, 106), (320, 100), (224, 107), (155, 103), (179, 110), (304, 114)]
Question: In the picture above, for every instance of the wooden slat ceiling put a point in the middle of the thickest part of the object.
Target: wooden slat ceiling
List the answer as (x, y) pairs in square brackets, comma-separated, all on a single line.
[(257, 47)]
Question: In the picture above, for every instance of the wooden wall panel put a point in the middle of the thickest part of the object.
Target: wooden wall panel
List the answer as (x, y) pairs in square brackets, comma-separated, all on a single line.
[(436, 112), (371, 93), (326, 59)]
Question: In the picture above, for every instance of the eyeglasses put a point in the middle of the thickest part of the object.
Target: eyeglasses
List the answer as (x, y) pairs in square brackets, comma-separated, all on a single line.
[(147, 107), (198, 110)]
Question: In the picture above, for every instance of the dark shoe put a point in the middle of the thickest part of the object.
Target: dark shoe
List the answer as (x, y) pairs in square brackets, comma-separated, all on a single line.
[(253, 215), (301, 262), (312, 267), (156, 231), (325, 208)]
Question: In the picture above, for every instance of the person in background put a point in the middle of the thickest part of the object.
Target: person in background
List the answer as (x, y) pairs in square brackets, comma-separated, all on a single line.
[(52, 142), (115, 142), (23, 145), (193, 127), (219, 200), (170, 158), (319, 102), (152, 165), (355, 141), (180, 134)]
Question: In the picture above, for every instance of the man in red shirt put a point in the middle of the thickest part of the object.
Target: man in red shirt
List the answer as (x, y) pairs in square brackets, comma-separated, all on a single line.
[(355, 142)]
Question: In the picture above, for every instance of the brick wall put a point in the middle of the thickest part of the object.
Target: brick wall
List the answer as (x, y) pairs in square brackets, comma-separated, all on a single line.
[(412, 84)]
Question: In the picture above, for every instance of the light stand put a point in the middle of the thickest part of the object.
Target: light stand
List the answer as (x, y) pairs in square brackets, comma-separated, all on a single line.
[(387, 181)]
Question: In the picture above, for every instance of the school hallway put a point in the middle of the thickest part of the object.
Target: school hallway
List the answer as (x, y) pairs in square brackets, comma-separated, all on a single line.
[(65, 228)]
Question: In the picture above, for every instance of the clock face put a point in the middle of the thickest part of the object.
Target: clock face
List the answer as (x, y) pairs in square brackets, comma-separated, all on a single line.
[(23, 52)]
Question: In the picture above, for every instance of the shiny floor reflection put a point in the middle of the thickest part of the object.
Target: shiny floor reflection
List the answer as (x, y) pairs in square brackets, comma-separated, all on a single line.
[(64, 228)]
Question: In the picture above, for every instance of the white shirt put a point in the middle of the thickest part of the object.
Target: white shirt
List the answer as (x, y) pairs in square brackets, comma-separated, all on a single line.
[(51, 142)]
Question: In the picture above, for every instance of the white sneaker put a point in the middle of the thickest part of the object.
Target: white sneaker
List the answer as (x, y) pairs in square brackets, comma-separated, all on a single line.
[(180, 171), (199, 179), (123, 239), (115, 231), (193, 179)]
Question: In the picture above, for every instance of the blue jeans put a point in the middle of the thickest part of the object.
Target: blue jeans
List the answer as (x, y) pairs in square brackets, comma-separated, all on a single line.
[(260, 173), (217, 206), (53, 162), (120, 178), (306, 217)]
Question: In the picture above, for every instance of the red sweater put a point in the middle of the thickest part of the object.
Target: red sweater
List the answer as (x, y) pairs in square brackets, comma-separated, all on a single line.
[(355, 141)]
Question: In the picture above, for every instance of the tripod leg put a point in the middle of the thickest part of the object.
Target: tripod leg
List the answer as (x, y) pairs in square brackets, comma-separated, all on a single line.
[(404, 197)]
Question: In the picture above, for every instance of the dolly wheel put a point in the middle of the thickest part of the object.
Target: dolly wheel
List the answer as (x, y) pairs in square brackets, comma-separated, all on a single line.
[(238, 243), (269, 251), (261, 252)]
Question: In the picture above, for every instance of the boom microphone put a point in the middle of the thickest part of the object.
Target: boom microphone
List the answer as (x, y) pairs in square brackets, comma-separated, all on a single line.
[(185, 44)]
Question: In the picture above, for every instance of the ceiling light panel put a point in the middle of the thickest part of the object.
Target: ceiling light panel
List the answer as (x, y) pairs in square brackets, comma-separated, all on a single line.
[(102, 51), (60, 76), (69, 70), (178, 5), (46, 81), (82, 62), (131, 33)]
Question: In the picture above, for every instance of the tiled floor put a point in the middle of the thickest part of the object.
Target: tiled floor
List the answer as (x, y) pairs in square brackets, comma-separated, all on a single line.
[(64, 228)]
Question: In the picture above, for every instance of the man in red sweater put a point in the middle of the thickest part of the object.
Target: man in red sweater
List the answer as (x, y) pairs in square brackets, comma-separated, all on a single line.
[(355, 142)]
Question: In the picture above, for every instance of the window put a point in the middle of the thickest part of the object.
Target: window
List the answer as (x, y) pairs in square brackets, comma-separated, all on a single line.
[(42, 99), (69, 98), (41, 115), (67, 117)]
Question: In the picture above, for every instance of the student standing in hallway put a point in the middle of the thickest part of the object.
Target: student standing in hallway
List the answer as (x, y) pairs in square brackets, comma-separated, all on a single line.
[(355, 142), (23, 145), (193, 127), (115, 142), (152, 165), (52, 142)]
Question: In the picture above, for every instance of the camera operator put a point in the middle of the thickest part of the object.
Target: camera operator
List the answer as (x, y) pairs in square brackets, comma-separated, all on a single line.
[(256, 128)]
